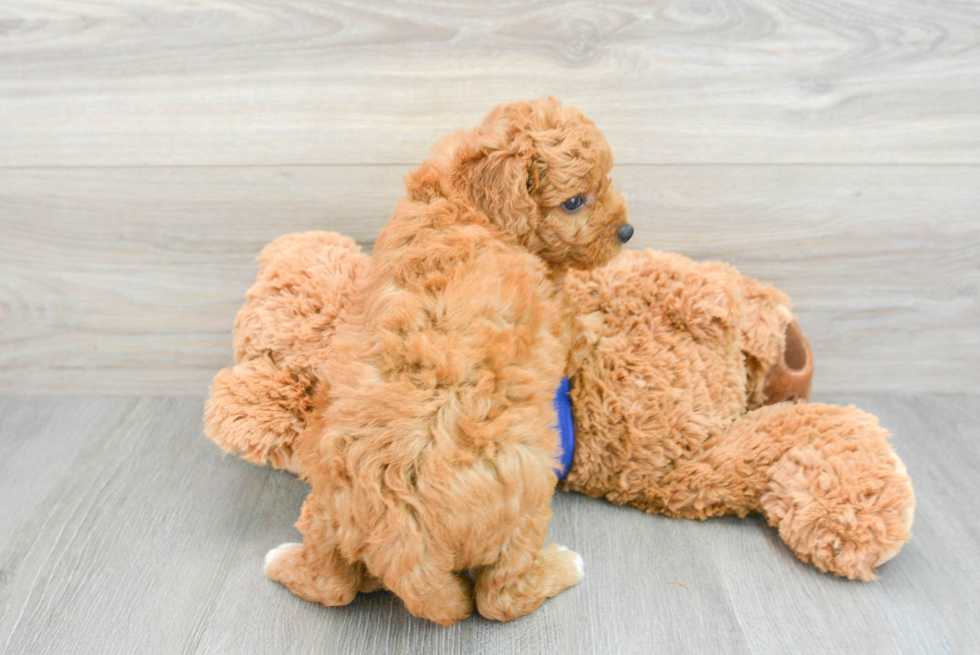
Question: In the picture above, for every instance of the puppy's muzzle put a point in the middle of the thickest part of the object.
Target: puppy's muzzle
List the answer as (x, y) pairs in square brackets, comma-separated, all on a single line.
[(625, 233)]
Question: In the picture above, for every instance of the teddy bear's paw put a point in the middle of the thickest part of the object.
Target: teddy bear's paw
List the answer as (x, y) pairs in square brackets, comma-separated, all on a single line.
[(846, 511), (253, 407), (906, 515)]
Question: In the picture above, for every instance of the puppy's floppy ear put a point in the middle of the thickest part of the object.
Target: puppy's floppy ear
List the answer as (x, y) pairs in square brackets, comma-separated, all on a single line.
[(496, 169)]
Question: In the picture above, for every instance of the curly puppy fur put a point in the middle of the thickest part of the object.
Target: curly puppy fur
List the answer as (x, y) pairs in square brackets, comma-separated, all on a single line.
[(431, 450)]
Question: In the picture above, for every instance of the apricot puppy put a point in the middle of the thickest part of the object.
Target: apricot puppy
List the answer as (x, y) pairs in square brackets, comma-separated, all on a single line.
[(432, 448)]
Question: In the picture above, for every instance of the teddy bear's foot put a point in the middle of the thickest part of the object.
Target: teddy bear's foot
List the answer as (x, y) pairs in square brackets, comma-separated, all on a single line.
[(253, 407), (846, 510)]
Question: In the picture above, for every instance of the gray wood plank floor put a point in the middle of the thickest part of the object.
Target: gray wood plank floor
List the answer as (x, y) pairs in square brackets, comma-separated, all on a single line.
[(122, 529)]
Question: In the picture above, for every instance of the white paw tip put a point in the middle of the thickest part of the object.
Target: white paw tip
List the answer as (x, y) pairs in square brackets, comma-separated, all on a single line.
[(277, 553), (579, 566), (579, 562)]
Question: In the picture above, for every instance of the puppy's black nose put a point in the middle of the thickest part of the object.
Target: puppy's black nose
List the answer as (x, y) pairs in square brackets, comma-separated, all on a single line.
[(624, 233)]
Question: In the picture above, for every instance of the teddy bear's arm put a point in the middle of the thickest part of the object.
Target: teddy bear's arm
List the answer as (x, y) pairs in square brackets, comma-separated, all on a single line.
[(825, 476), (836, 491)]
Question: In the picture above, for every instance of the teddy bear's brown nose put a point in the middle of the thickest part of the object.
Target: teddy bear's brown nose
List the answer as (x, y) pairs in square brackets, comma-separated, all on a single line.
[(625, 232)]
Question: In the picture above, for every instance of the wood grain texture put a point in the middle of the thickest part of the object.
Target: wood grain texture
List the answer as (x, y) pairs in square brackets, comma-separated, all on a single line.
[(138, 535), (129, 540), (148, 150), (85, 82), (127, 281)]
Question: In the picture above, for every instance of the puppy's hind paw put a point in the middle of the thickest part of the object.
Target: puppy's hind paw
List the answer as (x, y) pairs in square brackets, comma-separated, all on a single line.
[(580, 566), (290, 565), (577, 562), (277, 555)]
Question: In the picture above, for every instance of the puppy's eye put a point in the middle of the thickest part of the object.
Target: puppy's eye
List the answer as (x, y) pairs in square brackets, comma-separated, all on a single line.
[(572, 205)]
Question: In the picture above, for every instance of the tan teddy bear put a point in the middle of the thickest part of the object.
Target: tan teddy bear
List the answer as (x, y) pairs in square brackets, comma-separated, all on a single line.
[(687, 389)]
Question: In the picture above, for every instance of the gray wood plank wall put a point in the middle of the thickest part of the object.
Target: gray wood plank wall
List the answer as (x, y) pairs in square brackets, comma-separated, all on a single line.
[(149, 150)]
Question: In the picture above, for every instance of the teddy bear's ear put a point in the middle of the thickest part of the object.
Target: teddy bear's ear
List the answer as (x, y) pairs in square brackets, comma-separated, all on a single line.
[(766, 317), (495, 168)]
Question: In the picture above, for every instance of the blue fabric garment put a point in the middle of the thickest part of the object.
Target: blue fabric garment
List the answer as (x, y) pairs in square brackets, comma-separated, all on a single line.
[(563, 406)]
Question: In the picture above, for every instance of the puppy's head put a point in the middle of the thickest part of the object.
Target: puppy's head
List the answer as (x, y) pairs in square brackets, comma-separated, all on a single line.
[(539, 171)]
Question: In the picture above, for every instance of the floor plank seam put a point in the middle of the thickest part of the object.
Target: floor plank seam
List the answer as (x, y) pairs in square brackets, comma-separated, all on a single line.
[(216, 599)]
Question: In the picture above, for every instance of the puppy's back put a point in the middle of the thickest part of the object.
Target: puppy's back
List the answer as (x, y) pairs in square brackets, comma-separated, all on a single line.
[(444, 404), (462, 314)]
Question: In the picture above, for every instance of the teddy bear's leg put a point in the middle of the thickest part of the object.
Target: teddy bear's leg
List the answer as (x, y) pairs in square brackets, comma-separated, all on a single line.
[(315, 569), (257, 409), (526, 572), (834, 488), (283, 332)]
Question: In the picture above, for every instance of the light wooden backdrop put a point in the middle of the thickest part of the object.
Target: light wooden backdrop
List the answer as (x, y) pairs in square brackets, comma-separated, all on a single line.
[(149, 149)]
